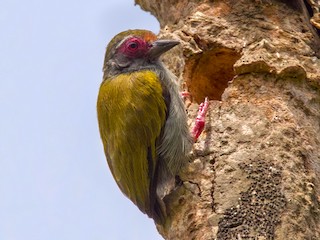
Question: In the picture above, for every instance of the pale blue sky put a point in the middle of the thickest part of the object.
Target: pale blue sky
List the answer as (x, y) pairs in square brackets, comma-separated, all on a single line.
[(54, 180)]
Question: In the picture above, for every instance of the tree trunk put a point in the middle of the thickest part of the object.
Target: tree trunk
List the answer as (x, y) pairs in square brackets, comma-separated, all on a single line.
[(255, 171)]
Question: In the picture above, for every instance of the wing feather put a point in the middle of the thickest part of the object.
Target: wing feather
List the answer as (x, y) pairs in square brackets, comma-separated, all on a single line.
[(131, 114)]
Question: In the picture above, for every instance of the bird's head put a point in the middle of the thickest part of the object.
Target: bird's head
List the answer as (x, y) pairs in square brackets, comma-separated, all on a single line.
[(134, 50)]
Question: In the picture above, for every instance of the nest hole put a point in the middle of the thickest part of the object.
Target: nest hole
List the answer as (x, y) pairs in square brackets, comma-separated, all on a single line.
[(207, 74)]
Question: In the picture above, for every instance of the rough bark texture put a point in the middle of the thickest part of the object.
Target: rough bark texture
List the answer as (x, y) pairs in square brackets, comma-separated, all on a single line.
[(255, 171)]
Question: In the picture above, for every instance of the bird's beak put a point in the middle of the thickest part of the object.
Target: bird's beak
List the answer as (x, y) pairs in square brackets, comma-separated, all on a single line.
[(161, 46)]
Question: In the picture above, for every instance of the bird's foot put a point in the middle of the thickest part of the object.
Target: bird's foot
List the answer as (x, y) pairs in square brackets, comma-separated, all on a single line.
[(200, 120), (185, 94)]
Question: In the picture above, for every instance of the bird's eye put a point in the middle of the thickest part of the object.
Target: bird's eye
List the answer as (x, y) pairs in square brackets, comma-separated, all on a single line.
[(133, 45)]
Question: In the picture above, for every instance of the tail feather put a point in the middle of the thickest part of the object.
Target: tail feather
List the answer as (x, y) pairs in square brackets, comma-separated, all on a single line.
[(159, 212), (157, 205)]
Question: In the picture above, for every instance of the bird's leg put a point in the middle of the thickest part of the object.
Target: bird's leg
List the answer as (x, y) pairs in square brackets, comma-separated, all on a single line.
[(200, 120)]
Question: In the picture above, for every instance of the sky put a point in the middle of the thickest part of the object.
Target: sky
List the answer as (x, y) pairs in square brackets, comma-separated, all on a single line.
[(54, 179)]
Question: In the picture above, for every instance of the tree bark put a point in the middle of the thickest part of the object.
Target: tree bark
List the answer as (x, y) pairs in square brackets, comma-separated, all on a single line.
[(255, 171)]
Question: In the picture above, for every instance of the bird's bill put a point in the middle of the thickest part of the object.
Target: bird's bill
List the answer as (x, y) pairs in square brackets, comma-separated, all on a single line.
[(161, 46)]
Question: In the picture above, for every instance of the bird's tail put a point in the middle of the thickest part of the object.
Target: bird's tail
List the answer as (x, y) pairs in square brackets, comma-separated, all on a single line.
[(159, 212), (163, 183)]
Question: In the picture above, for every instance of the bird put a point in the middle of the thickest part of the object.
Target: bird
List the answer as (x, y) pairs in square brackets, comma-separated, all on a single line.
[(142, 120)]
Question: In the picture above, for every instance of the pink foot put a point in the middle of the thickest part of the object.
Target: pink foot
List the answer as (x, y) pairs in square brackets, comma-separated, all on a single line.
[(185, 94), (200, 120)]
